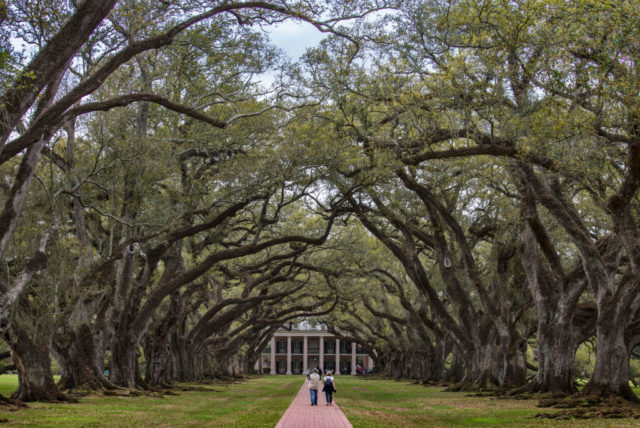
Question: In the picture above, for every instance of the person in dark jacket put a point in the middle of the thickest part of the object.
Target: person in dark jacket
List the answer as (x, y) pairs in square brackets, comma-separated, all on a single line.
[(329, 387)]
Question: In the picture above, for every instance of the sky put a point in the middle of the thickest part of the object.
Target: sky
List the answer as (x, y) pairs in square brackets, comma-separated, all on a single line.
[(295, 37)]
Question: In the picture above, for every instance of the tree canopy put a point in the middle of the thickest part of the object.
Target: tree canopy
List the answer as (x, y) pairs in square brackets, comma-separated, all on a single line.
[(451, 184)]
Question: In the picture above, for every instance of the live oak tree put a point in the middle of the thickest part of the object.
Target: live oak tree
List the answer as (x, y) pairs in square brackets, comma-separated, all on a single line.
[(459, 82), (553, 100), (105, 46), (93, 49), (439, 183)]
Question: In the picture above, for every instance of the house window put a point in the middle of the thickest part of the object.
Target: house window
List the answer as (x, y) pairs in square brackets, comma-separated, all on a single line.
[(330, 347), (281, 347)]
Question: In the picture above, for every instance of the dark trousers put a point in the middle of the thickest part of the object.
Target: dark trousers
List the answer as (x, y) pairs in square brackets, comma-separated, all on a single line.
[(329, 396), (314, 396)]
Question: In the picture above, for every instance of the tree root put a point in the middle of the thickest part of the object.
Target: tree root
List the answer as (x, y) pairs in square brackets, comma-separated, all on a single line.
[(134, 393), (479, 386), (536, 391), (195, 388), (102, 387), (581, 406), (66, 398), (11, 404), (437, 383)]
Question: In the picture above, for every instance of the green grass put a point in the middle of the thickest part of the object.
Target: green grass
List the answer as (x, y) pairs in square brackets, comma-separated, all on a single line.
[(386, 403), (260, 402), (255, 403)]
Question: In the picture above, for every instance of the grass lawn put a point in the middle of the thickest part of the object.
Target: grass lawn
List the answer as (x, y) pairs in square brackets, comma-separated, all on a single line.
[(256, 403), (387, 403), (260, 402)]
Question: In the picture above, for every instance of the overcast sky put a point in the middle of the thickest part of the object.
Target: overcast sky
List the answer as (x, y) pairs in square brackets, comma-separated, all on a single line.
[(295, 37)]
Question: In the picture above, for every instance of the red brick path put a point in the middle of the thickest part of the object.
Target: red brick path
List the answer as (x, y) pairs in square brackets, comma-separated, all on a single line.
[(301, 414)]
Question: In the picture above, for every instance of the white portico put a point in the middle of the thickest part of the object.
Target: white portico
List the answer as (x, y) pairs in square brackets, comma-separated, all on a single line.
[(306, 346)]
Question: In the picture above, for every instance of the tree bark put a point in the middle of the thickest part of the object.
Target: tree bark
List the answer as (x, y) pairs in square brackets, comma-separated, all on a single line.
[(77, 357), (455, 372), (124, 360), (31, 357), (158, 352), (611, 373)]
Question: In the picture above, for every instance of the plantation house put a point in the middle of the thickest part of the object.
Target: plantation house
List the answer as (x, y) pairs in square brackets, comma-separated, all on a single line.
[(305, 346)]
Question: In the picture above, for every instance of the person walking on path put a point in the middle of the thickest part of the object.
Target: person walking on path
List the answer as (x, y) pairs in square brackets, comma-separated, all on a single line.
[(314, 383), (329, 387)]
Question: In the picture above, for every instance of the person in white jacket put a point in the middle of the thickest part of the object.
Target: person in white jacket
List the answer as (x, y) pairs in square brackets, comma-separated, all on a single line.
[(314, 383)]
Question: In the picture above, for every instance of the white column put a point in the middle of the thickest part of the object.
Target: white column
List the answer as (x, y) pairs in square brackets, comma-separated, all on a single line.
[(337, 356), (273, 355), (321, 354), (370, 363), (353, 358), (288, 354), (305, 352)]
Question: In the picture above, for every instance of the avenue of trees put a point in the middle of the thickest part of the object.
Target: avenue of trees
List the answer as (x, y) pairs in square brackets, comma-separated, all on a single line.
[(452, 184)]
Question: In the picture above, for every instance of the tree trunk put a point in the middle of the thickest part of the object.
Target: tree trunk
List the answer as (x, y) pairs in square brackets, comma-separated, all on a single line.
[(183, 372), (487, 361), (434, 366), (158, 351), (515, 364), (455, 372), (481, 362), (556, 345), (159, 370), (124, 360), (76, 353), (556, 354), (35, 380), (190, 362), (611, 374)]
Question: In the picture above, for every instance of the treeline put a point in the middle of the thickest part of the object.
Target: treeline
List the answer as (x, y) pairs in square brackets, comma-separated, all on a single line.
[(451, 184), (499, 147)]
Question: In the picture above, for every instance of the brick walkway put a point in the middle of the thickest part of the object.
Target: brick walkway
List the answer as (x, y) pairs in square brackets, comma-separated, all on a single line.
[(301, 414)]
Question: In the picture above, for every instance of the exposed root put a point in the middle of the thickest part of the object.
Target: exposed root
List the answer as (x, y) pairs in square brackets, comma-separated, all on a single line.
[(457, 387), (603, 391), (11, 404), (536, 391), (195, 388), (134, 393), (480, 386), (436, 383), (66, 398), (581, 406)]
